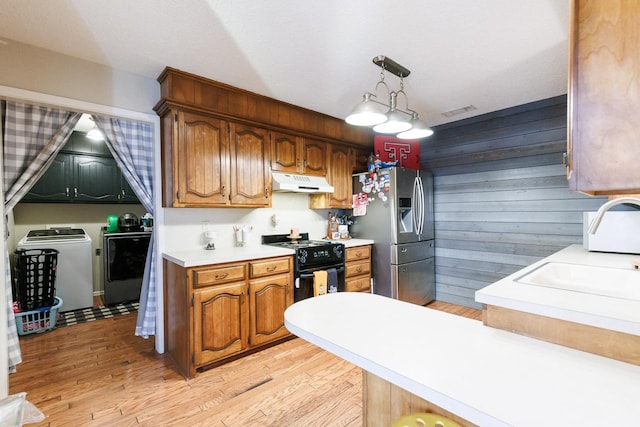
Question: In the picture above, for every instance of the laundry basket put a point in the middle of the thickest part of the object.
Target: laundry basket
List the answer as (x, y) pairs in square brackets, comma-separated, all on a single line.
[(40, 320), (34, 277)]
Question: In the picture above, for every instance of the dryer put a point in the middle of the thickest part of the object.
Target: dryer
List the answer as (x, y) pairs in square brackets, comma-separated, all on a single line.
[(74, 275)]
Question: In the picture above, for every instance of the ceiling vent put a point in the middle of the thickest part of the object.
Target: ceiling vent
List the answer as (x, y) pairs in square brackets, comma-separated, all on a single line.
[(457, 111)]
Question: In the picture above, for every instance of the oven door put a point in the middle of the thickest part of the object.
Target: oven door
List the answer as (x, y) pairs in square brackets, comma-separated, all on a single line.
[(303, 288), (125, 256)]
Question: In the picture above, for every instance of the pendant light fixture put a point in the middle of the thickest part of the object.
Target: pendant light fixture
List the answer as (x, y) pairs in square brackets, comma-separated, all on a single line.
[(94, 133), (388, 118)]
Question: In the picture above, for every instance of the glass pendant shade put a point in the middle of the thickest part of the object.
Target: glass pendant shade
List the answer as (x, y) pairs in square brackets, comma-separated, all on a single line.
[(395, 123), (95, 135), (366, 113), (418, 130)]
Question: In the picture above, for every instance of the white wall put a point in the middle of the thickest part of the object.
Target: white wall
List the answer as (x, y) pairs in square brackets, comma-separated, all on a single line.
[(183, 227), (39, 70)]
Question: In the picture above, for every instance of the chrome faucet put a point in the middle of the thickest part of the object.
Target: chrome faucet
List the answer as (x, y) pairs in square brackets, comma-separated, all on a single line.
[(593, 227)]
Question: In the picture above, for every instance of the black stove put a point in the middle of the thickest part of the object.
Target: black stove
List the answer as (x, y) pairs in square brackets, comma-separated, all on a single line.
[(310, 256), (309, 253)]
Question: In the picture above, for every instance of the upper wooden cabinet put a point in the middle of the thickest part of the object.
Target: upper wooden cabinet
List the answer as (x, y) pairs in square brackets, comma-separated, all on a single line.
[(296, 154), (220, 144), (604, 99), (341, 163), (198, 149), (209, 162), (250, 174)]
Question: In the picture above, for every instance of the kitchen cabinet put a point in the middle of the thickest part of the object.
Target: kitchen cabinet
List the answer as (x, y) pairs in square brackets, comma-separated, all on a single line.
[(270, 293), (250, 175), (297, 154), (358, 269), (221, 322), (340, 168), (269, 298), (221, 311), (83, 179), (195, 149), (604, 100), (210, 162), (231, 166)]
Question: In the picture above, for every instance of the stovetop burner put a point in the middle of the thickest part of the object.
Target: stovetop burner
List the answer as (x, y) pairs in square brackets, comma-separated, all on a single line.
[(300, 244)]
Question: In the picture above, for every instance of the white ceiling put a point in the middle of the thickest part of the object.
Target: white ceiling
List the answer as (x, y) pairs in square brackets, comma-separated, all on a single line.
[(493, 54)]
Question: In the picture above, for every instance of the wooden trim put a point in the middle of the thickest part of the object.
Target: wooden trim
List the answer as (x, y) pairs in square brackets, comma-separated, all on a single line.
[(384, 402), (184, 90), (604, 342)]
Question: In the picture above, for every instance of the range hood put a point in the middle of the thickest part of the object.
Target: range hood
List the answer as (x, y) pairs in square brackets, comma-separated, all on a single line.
[(300, 183)]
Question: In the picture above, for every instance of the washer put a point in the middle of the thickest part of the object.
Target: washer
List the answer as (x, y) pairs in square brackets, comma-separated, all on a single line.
[(74, 274)]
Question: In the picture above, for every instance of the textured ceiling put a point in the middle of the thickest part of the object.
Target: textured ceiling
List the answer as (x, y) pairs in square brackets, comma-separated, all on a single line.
[(493, 54)]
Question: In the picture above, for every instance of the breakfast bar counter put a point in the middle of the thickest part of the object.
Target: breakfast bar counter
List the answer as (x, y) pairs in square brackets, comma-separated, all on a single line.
[(485, 376)]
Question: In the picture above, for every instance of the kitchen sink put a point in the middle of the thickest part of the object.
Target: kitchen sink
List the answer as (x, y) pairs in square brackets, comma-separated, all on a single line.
[(588, 279)]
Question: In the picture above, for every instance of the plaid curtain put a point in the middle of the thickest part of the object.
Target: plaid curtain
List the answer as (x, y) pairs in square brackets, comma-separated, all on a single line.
[(131, 144), (33, 135)]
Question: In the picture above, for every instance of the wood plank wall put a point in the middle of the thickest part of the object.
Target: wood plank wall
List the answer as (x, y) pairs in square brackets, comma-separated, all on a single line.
[(501, 196)]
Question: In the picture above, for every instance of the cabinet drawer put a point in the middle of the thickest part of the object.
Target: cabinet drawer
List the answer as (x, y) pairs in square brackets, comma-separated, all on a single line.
[(218, 275), (358, 284), (357, 268), (358, 252), (269, 266)]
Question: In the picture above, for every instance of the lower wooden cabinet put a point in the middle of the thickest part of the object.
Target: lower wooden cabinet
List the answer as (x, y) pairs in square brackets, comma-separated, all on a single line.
[(358, 269), (221, 322), (268, 299), (221, 311)]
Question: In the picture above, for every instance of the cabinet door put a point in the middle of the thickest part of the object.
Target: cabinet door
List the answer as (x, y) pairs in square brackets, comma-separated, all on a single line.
[(126, 194), (220, 324), (250, 157), (285, 151), (96, 179), (314, 155), (201, 153), (603, 97), (269, 298), (56, 185), (340, 177), (359, 160)]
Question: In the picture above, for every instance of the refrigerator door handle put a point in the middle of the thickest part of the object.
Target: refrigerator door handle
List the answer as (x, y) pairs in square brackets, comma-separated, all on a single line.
[(416, 205), (418, 197), (422, 207)]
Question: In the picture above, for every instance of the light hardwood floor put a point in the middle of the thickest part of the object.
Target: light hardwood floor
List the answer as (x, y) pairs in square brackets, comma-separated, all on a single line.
[(100, 374)]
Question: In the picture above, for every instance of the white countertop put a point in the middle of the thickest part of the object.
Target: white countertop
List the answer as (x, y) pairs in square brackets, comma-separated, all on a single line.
[(616, 314), (485, 375), (197, 257)]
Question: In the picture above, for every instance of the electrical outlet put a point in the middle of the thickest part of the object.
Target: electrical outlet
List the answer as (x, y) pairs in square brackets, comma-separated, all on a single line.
[(98, 251)]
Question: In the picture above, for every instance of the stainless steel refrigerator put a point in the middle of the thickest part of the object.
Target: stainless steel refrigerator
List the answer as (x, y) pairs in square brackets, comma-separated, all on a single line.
[(399, 218)]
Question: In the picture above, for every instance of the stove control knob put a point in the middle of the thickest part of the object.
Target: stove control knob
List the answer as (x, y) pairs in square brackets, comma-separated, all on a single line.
[(338, 251)]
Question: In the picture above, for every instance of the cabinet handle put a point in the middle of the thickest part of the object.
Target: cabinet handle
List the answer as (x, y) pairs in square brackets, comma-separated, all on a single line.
[(123, 193), (266, 192), (359, 254), (359, 269), (271, 268), (67, 191), (223, 191), (75, 192), (221, 276)]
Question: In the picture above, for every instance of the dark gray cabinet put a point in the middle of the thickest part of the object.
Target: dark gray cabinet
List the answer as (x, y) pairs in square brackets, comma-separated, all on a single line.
[(83, 176)]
